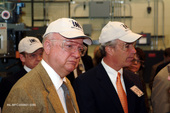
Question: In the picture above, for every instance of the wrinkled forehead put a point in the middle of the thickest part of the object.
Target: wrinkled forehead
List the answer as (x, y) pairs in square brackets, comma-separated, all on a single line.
[(75, 41)]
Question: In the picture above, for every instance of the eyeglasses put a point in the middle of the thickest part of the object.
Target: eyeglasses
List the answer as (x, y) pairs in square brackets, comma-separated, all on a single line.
[(128, 46), (72, 47), (137, 61)]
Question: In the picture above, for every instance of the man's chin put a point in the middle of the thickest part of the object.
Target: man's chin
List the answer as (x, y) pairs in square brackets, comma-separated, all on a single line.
[(71, 69)]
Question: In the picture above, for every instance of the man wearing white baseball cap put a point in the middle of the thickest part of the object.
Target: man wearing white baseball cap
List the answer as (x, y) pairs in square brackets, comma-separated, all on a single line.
[(43, 87), (30, 53), (107, 88)]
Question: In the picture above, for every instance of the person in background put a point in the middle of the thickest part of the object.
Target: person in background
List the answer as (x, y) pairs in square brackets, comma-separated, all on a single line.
[(157, 67), (137, 67), (108, 88), (30, 53), (84, 65), (166, 61), (97, 56), (87, 61), (166, 56), (160, 96), (43, 89)]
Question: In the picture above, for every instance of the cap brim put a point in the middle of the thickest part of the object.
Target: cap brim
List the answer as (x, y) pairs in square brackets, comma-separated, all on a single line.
[(130, 37), (73, 35), (34, 48)]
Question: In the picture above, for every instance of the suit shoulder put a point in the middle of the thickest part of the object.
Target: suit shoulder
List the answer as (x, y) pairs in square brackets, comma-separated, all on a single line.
[(92, 72), (131, 75)]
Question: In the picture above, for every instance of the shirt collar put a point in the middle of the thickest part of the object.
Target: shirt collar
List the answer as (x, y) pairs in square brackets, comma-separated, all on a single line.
[(112, 74), (55, 78), (111, 70), (27, 68)]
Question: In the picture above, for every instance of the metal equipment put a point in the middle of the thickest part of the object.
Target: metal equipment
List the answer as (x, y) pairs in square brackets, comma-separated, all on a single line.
[(11, 30)]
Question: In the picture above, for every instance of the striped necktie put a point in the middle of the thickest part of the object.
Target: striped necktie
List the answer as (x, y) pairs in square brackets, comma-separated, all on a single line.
[(69, 104)]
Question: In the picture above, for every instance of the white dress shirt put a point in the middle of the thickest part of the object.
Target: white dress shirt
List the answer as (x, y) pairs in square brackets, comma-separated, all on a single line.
[(113, 75), (57, 81), (27, 68)]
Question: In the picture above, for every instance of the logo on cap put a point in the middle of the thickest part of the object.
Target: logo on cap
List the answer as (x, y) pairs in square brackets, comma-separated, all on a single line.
[(33, 41), (76, 25), (125, 27)]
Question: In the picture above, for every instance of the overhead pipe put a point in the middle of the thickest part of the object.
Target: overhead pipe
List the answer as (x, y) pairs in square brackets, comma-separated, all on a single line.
[(156, 23)]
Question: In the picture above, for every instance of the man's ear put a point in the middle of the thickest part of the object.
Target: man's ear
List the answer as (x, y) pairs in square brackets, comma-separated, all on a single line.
[(109, 50), (22, 57), (47, 46)]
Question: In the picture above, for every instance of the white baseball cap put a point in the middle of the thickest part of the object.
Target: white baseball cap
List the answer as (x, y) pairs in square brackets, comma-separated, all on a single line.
[(68, 28), (29, 45), (117, 30)]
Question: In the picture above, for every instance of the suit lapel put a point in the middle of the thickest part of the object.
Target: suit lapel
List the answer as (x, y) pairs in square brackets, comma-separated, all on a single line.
[(50, 89), (55, 101), (72, 94), (130, 94), (103, 78)]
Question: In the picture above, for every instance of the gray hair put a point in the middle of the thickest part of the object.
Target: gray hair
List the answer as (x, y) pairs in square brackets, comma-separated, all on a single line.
[(48, 36), (103, 45)]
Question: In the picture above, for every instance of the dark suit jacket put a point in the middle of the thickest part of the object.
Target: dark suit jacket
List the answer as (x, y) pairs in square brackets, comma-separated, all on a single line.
[(35, 93), (7, 83), (88, 64), (96, 94)]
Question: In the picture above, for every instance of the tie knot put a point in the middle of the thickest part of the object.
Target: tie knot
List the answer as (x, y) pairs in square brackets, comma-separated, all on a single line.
[(118, 75), (65, 89), (69, 104)]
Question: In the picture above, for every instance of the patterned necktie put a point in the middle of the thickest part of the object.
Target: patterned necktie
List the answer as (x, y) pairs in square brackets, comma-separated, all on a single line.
[(121, 94), (69, 104)]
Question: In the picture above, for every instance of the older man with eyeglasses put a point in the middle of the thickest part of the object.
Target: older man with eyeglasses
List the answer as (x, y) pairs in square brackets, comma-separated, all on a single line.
[(42, 90), (107, 88)]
